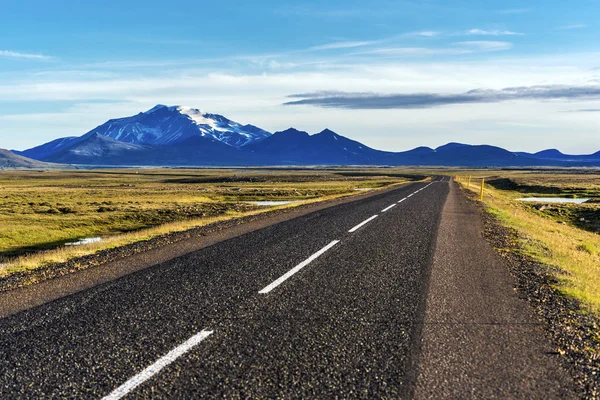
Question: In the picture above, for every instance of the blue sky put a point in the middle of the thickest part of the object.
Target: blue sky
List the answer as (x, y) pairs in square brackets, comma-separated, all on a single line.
[(392, 74)]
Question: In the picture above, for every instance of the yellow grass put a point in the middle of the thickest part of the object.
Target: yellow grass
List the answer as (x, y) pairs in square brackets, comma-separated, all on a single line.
[(573, 250), (150, 197)]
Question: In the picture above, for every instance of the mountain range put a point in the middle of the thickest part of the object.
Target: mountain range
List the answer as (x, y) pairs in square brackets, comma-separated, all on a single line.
[(184, 136)]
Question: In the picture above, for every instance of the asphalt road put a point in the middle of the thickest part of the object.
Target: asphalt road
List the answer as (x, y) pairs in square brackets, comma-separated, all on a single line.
[(332, 304), (343, 325)]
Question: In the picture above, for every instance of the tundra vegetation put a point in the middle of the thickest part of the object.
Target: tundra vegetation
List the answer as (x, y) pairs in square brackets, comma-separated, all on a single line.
[(41, 211)]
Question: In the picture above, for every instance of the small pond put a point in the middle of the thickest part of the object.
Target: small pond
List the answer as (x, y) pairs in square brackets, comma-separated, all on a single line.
[(553, 200), (273, 202), (84, 241)]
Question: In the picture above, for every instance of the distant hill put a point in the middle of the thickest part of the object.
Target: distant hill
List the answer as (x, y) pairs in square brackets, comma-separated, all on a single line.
[(327, 147), (556, 155), (9, 160), (98, 148), (184, 136)]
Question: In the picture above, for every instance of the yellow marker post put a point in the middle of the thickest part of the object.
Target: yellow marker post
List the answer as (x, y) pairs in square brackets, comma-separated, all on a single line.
[(482, 188), (469, 184)]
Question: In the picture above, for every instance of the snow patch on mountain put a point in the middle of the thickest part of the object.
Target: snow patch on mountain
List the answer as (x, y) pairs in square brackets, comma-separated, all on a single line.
[(165, 125)]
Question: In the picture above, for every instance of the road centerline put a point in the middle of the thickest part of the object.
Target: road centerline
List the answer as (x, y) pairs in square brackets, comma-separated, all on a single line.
[(155, 368), (297, 268), (366, 221), (389, 207)]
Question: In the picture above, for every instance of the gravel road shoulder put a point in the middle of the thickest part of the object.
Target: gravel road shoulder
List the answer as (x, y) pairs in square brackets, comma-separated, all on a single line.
[(573, 332), (480, 339)]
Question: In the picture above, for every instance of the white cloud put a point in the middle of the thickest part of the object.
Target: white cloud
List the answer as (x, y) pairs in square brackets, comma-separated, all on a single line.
[(485, 45), (24, 56), (493, 32), (422, 33), (341, 45), (457, 48), (572, 26), (414, 51)]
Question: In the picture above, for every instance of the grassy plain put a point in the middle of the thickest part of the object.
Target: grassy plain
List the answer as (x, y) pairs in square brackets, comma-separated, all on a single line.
[(562, 235), (41, 211)]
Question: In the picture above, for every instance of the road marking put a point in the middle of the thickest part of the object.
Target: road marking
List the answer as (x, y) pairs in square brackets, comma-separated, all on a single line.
[(297, 268), (412, 194), (366, 221), (155, 368), (388, 208)]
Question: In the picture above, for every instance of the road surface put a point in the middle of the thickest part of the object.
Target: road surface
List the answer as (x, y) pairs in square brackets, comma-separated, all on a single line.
[(333, 304)]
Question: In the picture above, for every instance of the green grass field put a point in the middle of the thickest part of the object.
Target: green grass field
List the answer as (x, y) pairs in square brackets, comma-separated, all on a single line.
[(41, 211)]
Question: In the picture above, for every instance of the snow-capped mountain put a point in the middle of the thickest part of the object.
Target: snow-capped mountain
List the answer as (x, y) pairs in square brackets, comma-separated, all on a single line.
[(160, 126), (163, 125)]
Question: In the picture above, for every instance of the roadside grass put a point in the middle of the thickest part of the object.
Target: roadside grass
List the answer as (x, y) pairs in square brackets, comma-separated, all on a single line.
[(41, 211), (550, 239)]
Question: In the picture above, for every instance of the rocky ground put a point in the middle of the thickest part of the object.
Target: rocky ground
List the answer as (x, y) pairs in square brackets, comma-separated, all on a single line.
[(575, 332)]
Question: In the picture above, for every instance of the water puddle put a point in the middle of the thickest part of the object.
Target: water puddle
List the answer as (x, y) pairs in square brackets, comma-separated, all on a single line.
[(84, 241), (563, 200), (273, 202)]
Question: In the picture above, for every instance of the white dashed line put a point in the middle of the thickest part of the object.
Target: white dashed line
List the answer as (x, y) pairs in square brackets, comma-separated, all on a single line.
[(155, 368), (366, 221), (388, 208), (297, 268), (415, 192)]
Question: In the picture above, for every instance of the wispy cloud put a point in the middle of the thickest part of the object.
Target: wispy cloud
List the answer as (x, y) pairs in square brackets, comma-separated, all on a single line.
[(492, 32), (363, 43), (342, 45), (485, 45), (345, 100), (422, 34), (23, 56), (571, 27), (411, 51), (457, 48), (584, 110)]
